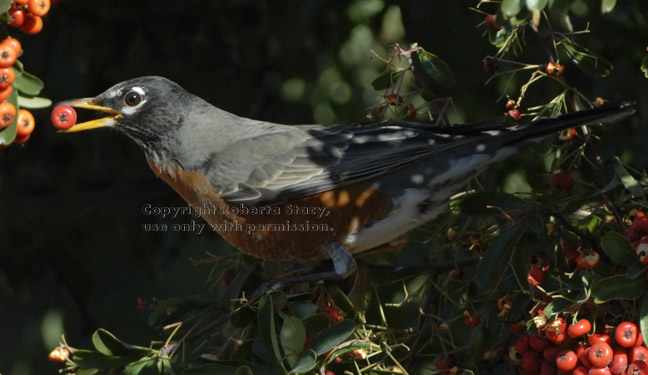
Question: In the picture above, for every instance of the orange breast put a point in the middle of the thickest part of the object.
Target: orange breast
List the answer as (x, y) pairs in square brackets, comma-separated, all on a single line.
[(295, 230)]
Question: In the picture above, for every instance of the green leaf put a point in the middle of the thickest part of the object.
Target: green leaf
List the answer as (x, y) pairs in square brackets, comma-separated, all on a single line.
[(137, 367), (511, 7), (607, 5), (28, 84), (333, 336), (492, 203), (619, 249), (306, 361), (8, 134), (626, 178), (5, 5), (95, 360), (536, 4), (497, 257), (560, 13), (618, 287), (643, 316), (266, 321), (385, 80), (292, 337), (429, 68), (35, 102), (557, 305), (644, 66), (499, 38), (341, 300), (636, 270), (107, 344), (302, 310), (350, 346), (586, 61)]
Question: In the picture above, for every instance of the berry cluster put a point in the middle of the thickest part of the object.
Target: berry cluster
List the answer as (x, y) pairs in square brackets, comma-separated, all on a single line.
[(559, 349), (27, 15), (9, 50)]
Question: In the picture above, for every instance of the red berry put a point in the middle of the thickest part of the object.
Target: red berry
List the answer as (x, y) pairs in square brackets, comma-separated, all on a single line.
[(538, 343), (638, 353), (637, 368), (589, 261), (566, 360), (16, 17), (580, 328), (21, 138), (522, 344), (530, 361), (562, 182), (535, 277), (547, 368), (332, 313), (32, 25), (599, 371), (550, 353), (619, 361), (63, 117), (554, 69), (600, 354), (490, 22), (470, 318), (626, 334), (597, 337), (514, 114)]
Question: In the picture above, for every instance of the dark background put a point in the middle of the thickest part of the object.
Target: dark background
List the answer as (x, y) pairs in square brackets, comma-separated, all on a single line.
[(73, 255)]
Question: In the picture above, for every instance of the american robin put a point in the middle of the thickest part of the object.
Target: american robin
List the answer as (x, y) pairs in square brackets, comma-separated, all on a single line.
[(308, 192)]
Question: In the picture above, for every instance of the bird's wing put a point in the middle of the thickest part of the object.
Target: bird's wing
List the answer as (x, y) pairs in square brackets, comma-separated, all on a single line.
[(302, 161), (292, 162)]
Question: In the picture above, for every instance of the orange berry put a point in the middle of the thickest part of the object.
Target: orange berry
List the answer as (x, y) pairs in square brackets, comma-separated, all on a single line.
[(38, 7), (4, 93), (32, 25), (26, 123), (14, 44), (7, 56), (7, 114), (21, 2), (7, 77), (16, 17)]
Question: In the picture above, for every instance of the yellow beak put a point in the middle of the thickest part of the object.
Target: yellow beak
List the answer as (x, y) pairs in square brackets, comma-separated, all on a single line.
[(86, 103)]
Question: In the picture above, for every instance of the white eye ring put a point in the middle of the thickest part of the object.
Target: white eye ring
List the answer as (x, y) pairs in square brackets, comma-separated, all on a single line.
[(135, 97)]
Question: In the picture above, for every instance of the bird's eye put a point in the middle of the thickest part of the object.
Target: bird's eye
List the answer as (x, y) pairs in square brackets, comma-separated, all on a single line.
[(132, 99)]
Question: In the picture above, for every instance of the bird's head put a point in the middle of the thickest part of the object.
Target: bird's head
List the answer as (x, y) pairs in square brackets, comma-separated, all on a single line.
[(147, 109)]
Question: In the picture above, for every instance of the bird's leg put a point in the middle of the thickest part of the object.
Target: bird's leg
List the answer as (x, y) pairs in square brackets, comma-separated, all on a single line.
[(343, 261)]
